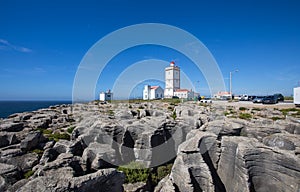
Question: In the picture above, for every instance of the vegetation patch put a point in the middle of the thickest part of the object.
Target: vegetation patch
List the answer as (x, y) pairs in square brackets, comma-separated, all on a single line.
[(173, 115), (28, 174), (256, 109), (110, 112), (230, 111), (39, 152), (293, 111), (203, 104), (135, 172), (45, 131), (242, 108), (246, 116), (70, 129), (57, 136), (275, 118), (161, 172)]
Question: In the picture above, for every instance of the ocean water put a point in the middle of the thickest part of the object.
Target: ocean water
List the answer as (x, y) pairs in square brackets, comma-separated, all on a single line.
[(10, 107)]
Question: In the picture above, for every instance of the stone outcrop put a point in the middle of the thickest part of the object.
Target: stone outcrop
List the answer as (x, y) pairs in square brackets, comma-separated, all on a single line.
[(105, 180), (77, 148)]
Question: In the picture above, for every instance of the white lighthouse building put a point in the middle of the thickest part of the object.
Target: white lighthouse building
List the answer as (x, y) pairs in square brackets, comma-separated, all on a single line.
[(172, 80)]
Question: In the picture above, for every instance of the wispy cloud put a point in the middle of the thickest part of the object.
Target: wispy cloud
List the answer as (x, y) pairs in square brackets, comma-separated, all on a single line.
[(6, 45)]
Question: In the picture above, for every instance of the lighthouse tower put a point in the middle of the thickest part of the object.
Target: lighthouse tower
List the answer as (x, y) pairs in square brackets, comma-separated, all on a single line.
[(172, 80)]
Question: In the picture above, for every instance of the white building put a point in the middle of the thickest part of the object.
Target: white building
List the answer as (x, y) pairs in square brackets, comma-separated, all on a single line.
[(222, 95), (106, 96), (152, 92), (186, 94), (172, 80)]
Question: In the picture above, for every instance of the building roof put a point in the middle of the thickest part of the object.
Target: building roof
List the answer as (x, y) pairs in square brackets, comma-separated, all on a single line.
[(220, 93), (182, 90), (154, 87)]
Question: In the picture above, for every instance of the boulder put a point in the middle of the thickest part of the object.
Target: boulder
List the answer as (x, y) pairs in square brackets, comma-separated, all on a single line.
[(193, 168), (249, 165), (49, 155), (135, 187), (10, 173), (3, 184), (23, 162), (32, 140), (106, 180), (75, 164), (11, 126), (165, 185), (99, 156), (7, 139), (281, 141)]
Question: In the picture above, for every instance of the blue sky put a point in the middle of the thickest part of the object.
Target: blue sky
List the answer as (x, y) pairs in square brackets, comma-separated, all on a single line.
[(43, 42)]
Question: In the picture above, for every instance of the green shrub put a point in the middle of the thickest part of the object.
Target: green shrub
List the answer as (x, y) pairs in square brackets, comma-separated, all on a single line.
[(174, 116), (135, 172), (141, 107), (58, 136), (256, 109), (162, 171), (203, 104), (286, 111), (242, 108), (111, 112), (70, 129), (38, 151), (245, 116), (275, 118), (28, 174), (45, 131)]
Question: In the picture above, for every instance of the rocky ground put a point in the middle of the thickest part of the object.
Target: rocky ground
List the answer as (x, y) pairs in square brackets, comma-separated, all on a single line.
[(212, 147)]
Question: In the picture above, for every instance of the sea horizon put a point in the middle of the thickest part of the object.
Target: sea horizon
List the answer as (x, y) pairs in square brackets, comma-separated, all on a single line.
[(9, 107)]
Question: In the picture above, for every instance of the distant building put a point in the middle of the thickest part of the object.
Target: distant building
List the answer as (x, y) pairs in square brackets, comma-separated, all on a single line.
[(106, 96), (222, 95), (172, 80), (152, 92), (186, 94)]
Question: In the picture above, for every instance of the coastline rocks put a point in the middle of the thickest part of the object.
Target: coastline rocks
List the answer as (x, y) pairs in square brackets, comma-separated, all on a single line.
[(98, 156), (7, 139), (246, 162), (9, 173), (32, 140), (75, 148), (282, 141), (23, 162), (105, 180), (9, 126)]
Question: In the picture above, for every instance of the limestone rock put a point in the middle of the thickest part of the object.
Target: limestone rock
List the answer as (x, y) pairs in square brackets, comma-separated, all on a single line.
[(246, 164), (99, 156), (165, 185), (32, 140), (23, 162), (106, 180), (7, 139), (11, 126), (10, 173)]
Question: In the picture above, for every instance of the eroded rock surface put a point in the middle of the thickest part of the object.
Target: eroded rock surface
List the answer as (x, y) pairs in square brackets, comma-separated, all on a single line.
[(78, 148)]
